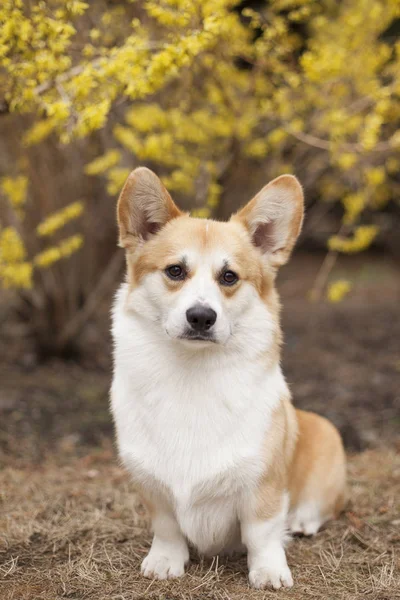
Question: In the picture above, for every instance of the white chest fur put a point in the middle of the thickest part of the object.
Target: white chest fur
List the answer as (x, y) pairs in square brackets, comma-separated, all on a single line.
[(191, 425)]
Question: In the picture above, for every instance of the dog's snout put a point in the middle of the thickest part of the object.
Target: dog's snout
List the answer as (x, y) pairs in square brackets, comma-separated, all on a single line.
[(201, 317)]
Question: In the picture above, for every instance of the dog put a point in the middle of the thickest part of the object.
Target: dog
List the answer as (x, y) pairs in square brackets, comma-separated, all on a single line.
[(203, 415)]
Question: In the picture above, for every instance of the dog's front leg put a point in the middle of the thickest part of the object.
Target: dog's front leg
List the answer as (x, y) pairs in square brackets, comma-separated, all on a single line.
[(169, 552), (264, 539)]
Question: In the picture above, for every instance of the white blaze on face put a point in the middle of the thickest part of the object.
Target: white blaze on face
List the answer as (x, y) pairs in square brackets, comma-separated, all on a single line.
[(202, 288)]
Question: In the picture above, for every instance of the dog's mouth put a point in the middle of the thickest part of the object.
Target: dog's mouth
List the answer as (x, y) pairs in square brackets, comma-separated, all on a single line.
[(195, 336)]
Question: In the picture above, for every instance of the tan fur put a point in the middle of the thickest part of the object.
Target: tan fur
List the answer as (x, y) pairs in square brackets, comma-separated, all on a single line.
[(318, 470), (168, 248), (278, 449), (304, 455), (271, 299)]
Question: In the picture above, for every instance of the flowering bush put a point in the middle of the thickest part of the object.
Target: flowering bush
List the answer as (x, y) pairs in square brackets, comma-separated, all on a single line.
[(190, 85)]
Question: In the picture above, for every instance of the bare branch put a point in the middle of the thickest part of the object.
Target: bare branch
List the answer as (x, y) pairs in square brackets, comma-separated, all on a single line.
[(316, 142), (80, 318)]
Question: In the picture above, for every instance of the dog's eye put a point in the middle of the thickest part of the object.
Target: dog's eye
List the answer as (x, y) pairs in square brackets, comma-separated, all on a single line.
[(228, 278), (175, 272)]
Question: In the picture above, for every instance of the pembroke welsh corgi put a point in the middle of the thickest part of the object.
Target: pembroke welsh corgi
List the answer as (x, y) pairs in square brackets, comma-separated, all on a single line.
[(203, 414)]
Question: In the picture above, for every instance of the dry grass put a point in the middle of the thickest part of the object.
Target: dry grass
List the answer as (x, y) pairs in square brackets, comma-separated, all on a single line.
[(78, 531)]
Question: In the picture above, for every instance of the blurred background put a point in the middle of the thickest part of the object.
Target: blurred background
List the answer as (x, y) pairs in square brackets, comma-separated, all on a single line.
[(218, 97)]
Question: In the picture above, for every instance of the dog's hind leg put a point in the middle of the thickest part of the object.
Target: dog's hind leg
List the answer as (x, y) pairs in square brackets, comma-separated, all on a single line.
[(317, 476)]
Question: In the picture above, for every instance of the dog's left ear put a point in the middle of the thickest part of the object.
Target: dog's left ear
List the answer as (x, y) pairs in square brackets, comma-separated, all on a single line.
[(274, 218)]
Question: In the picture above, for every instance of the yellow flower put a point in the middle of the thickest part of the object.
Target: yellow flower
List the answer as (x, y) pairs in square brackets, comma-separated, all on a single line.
[(15, 188), (94, 34), (39, 131), (214, 193), (103, 163), (15, 272), (59, 219), (277, 136), (76, 7), (17, 275), (362, 239), (257, 148), (338, 290), (375, 175), (201, 213), (346, 160), (12, 249), (55, 253), (116, 178), (354, 205), (179, 181)]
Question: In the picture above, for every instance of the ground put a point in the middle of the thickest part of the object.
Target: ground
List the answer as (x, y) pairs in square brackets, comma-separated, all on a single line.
[(78, 531), (71, 525)]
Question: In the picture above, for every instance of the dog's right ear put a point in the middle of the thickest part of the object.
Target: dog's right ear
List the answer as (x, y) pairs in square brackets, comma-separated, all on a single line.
[(144, 207)]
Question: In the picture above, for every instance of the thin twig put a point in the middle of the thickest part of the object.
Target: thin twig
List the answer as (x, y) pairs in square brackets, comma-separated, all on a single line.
[(316, 142), (322, 276), (46, 85), (325, 269)]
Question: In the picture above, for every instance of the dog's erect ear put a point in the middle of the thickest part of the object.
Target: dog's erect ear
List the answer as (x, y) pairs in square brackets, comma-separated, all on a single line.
[(274, 218), (144, 207)]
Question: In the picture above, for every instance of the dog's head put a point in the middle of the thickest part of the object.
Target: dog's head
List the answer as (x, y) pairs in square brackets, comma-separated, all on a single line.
[(203, 282)]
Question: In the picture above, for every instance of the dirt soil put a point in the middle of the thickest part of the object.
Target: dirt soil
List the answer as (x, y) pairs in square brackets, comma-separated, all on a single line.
[(71, 526)]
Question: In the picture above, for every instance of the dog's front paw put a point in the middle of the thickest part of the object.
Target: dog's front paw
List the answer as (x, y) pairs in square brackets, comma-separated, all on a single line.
[(271, 577), (158, 566)]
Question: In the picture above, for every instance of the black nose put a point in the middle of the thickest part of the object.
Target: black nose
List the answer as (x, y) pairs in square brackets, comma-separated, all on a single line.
[(201, 317)]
